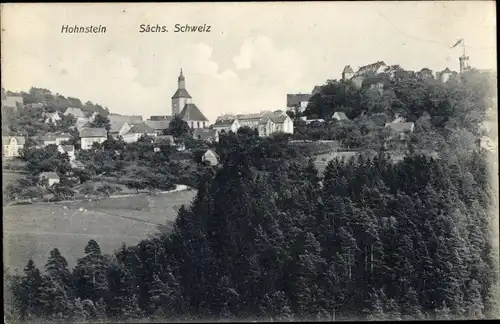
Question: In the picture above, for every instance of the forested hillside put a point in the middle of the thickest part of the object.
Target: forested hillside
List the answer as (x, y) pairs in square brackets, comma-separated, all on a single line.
[(29, 119), (268, 238)]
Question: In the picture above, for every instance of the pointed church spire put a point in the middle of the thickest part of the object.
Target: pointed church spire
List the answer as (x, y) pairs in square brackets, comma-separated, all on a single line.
[(181, 81)]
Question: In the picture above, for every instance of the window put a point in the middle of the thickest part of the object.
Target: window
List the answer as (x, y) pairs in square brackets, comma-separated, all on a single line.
[(198, 124)]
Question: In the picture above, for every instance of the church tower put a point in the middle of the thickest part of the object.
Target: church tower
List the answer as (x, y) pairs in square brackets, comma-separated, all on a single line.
[(181, 96)]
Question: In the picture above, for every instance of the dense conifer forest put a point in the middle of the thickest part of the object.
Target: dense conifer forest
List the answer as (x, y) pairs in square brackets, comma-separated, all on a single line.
[(269, 238)]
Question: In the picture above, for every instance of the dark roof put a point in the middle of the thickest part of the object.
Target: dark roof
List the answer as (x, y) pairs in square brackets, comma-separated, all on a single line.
[(181, 93), (204, 133), (191, 112), (446, 71), (224, 122), (279, 119), (316, 89), (77, 112), (213, 152), (93, 132), (164, 138), (141, 128), (131, 119), (20, 140), (160, 117), (294, 100), (49, 175), (370, 68), (68, 148), (341, 115), (116, 126), (158, 124), (264, 120), (348, 69), (401, 127)]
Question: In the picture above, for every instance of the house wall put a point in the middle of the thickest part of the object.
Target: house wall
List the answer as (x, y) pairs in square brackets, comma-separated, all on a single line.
[(209, 157), (53, 181), (60, 140), (178, 104), (87, 142), (12, 150), (125, 128), (134, 137), (288, 126)]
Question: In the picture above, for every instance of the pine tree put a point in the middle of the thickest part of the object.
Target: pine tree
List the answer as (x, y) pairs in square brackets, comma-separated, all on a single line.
[(57, 268), (30, 292)]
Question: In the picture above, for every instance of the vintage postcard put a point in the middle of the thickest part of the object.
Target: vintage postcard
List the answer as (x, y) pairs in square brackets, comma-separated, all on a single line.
[(270, 161)]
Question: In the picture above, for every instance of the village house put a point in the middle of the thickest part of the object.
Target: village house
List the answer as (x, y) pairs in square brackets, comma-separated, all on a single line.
[(12, 145), (265, 127), (487, 143), (226, 125), (137, 131), (265, 122), (132, 120), (340, 116), (160, 117), (403, 129), (165, 139), (51, 177), (159, 126), (13, 102), (53, 139), (118, 129), (68, 149), (282, 124), (75, 112), (89, 136), (210, 157), (53, 118), (75, 164), (444, 75), (206, 134), (297, 102), (310, 121)]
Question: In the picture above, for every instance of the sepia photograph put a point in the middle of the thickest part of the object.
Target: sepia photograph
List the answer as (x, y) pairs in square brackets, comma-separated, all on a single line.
[(249, 162)]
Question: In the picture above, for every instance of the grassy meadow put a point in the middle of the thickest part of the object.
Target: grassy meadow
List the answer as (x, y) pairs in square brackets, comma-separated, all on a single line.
[(31, 231)]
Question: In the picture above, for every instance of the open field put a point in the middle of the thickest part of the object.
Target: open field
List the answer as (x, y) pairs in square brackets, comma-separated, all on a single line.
[(31, 231)]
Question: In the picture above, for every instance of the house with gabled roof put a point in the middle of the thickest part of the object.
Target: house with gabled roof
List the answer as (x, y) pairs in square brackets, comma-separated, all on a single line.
[(13, 102), (159, 126), (12, 146), (68, 149), (206, 134), (211, 157), (226, 124), (52, 118), (137, 131), (76, 112), (118, 129), (340, 116), (51, 177), (282, 124), (403, 129), (444, 75), (129, 119), (298, 101), (89, 136)]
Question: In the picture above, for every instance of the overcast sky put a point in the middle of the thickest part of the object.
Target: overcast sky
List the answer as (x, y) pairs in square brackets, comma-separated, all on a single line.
[(254, 55)]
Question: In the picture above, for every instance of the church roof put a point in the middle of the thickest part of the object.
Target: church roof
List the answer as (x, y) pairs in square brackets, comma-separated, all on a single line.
[(158, 124), (181, 93), (191, 112)]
